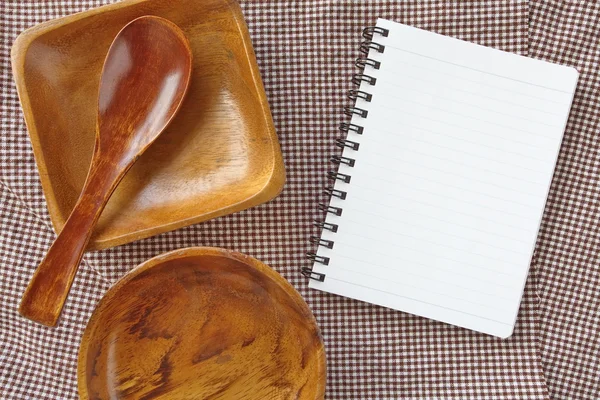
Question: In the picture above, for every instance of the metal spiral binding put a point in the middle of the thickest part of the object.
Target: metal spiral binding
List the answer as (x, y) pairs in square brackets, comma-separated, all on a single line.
[(350, 111), (347, 143), (321, 242), (347, 127), (330, 209), (369, 44), (309, 273), (343, 160), (362, 62), (369, 31), (358, 78), (331, 192), (319, 259), (339, 176), (326, 225), (354, 94)]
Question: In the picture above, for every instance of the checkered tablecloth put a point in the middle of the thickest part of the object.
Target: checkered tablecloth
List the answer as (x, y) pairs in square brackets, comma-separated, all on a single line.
[(305, 50)]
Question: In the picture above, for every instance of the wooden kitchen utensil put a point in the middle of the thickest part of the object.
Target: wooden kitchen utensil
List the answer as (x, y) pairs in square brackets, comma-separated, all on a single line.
[(218, 156), (144, 79), (202, 323)]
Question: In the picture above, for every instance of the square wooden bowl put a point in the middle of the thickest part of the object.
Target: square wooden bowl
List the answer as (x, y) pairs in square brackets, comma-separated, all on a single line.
[(220, 154)]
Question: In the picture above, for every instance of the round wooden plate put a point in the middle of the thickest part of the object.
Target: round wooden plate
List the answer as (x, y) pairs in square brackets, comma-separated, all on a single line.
[(202, 323)]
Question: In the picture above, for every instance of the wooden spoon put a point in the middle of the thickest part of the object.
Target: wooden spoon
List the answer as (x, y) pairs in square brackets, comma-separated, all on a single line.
[(145, 77)]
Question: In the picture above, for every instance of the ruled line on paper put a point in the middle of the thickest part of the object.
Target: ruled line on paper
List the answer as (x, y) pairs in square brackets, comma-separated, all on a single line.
[(459, 199), (465, 116), (447, 197), (500, 279), (427, 277), (458, 89), (444, 270), (454, 260), (470, 178), (500, 92), (412, 212), (466, 103), (413, 77), (435, 292), (374, 139), (515, 177), (445, 184), (430, 229), (421, 301), (399, 197), (516, 141), (478, 70), (410, 291), (430, 242)]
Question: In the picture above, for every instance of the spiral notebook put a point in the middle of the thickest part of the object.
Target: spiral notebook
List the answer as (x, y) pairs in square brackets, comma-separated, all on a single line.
[(439, 191)]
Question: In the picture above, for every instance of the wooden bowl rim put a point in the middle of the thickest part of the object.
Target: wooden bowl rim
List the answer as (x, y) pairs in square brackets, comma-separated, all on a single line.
[(185, 253)]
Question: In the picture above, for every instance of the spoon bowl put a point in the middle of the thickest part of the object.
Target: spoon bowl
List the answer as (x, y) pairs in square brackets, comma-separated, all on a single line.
[(144, 80)]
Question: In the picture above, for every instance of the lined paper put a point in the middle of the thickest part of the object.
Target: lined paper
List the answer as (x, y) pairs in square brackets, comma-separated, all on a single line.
[(450, 180)]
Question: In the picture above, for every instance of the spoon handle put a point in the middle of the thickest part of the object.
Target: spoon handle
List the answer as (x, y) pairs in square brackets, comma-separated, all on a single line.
[(47, 291)]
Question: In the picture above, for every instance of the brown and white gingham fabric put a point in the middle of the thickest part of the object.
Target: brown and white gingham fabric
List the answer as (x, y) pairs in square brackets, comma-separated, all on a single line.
[(567, 268), (305, 50)]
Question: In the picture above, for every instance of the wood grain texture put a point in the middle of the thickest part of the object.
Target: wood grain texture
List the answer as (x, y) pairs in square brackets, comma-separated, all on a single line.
[(219, 155), (202, 323), (136, 101)]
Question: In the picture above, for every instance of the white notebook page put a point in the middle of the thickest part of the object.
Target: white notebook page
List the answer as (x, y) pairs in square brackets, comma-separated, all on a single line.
[(450, 180)]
